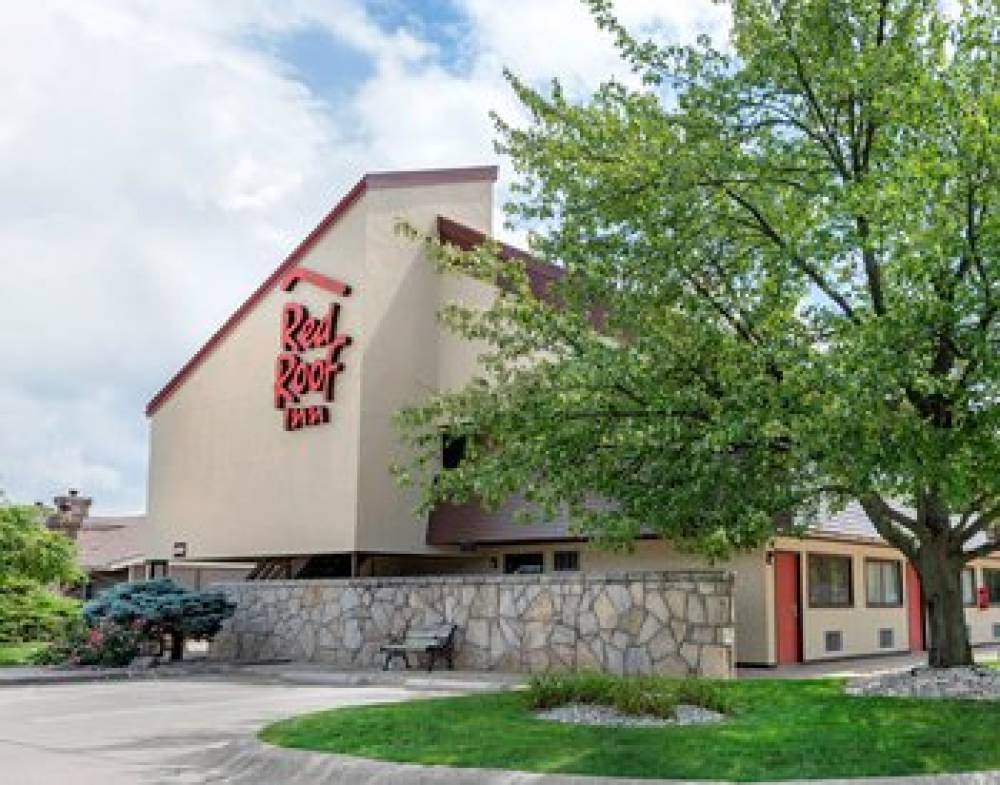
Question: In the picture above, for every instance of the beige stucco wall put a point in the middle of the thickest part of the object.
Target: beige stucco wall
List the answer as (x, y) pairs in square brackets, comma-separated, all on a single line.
[(860, 624), (982, 622), (224, 475), (403, 354)]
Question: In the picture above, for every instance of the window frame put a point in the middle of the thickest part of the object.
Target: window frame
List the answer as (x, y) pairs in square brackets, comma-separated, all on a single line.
[(575, 554), (973, 600), (850, 581), (522, 555), (993, 599), (881, 562), (453, 450)]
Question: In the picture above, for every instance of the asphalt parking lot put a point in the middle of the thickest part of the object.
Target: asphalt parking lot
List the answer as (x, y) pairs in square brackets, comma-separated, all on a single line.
[(138, 732)]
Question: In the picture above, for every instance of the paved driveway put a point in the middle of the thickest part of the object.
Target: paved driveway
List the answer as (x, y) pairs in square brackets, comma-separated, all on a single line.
[(134, 733)]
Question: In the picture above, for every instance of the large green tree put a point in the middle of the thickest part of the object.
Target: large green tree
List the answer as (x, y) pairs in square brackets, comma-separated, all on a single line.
[(780, 294)]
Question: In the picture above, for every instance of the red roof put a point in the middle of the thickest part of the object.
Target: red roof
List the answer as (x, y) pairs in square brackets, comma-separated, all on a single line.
[(371, 181)]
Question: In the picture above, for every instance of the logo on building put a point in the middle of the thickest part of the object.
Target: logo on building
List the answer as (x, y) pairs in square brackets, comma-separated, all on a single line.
[(309, 360)]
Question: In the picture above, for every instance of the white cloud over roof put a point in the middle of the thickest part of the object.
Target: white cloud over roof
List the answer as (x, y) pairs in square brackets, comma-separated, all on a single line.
[(158, 159)]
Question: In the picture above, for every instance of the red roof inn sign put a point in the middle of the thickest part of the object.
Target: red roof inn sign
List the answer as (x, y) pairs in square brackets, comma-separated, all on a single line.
[(298, 371)]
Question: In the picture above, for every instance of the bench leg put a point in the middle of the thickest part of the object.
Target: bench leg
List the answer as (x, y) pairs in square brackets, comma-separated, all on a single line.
[(430, 661), (406, 660), (388, 659)]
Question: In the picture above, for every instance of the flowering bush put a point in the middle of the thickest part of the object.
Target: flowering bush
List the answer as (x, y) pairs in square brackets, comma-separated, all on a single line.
[(106, 645)]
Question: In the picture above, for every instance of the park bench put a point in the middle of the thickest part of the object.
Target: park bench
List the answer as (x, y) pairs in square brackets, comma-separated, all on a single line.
[(434, 641)]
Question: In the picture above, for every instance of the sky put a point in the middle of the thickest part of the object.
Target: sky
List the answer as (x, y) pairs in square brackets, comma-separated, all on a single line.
[(159, 159)]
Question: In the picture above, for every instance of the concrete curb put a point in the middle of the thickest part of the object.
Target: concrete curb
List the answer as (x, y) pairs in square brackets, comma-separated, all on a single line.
[(39, 677), (33, 677), (251, 762)]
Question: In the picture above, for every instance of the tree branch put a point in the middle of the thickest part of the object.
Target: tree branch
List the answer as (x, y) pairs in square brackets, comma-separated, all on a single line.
[(810, 270), (897, 529)]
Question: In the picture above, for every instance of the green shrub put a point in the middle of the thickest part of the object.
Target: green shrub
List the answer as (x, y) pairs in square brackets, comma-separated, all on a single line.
[(30, 612), (160, 608), (655, 696)]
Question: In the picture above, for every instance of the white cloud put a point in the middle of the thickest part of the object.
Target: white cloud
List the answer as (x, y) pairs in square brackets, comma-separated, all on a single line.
[(156, 162)]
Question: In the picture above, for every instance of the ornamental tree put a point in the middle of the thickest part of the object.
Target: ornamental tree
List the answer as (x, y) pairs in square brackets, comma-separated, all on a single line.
[(161, 608), (33, 560), (780, 293)]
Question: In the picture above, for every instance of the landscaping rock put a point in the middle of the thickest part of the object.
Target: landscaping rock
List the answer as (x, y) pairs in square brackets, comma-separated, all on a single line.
[(970, 683), (589, 714), (687, 714), (592, 714)]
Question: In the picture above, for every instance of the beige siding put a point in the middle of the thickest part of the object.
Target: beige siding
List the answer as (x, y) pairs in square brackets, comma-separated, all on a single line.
[(860, 624), (226, 478), (224, 475), (983, 623)]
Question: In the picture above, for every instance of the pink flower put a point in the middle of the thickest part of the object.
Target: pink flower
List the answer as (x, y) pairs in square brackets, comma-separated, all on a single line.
[(95, 638)]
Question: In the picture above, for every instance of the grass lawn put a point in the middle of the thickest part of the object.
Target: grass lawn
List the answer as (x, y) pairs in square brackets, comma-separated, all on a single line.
[(780, 729), (12, 654)]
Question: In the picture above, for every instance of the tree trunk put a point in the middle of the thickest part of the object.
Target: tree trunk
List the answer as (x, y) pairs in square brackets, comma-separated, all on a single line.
[(940, 573), (176, 646)]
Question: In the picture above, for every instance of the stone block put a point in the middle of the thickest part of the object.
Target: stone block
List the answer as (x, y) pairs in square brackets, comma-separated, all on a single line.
[(637, 661), (614, 659), (536, 635), (672, 665), (657, 606), (718, 609), (689, 653), (631, 622), (620, 596), (477, 633), (651, 625), (677, 603), (695, 608), (589, 656), (541, 607), (715, 662), (702, 633), (607, 615), (587, 624)]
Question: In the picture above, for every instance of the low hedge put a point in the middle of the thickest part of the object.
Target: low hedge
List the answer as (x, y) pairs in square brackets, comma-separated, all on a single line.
[(655, 696)]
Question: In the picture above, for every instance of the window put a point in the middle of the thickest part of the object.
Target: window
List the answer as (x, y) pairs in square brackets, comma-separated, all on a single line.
[(886, 638), (884, 582), (523, 563), (996, 631), (991, 580), (452, 451), (830, 584), (566, 561), (834, 640), (969, 587)]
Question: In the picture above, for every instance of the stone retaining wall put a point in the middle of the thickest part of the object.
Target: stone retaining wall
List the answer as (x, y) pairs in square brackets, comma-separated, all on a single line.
[(643, 622)]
